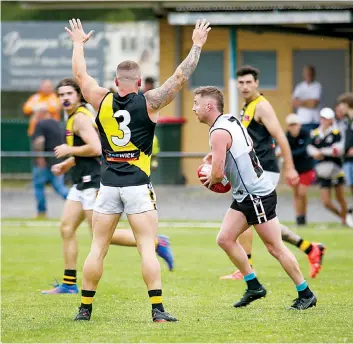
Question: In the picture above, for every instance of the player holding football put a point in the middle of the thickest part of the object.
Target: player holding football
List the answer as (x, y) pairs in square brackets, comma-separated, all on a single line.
[(260, 119), (254, 197)]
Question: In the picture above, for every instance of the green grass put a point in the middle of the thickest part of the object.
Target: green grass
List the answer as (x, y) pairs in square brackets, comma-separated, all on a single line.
[(31, 256)]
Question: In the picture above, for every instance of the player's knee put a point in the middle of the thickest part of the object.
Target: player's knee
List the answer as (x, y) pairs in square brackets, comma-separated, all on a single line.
[(340, 197), (223, 241), (99, 251), (326, 203), (274, 250), (66, 229), (302, 193)]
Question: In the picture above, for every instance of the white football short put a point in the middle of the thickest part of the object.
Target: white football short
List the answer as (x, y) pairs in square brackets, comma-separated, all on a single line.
[(87, 197), (128, 199)]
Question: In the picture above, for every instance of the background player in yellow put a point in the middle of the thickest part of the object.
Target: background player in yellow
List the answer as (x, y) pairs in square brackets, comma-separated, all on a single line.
[(155, 151)]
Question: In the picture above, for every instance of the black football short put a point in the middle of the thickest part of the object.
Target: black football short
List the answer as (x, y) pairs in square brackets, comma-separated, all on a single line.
[(328, 183), (257, 209)]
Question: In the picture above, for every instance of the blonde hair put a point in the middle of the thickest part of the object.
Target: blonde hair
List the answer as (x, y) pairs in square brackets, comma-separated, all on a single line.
[(128, 70), (213, 92)]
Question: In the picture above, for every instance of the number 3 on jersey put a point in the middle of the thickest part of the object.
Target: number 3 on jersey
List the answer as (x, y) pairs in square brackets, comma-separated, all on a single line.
[(123, 136)]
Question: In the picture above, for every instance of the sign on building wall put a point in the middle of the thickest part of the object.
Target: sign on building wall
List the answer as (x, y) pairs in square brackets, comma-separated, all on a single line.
[(137, 41), (33, 51)]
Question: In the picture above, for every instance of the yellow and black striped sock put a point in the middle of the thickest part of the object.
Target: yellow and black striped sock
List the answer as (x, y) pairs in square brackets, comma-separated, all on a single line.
[(156, 299), (250, 259), (304, 245), (70, 277), (87, 299)]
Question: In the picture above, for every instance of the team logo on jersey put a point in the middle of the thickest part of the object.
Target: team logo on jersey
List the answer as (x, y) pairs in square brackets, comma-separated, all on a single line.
[(257, 201), (122, 156), (86, 179)]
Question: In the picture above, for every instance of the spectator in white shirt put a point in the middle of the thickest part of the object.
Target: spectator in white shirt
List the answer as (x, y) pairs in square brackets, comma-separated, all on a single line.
[(306, 99)]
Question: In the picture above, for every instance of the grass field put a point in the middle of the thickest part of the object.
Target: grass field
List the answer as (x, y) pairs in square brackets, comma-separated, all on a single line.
[(31, 256)]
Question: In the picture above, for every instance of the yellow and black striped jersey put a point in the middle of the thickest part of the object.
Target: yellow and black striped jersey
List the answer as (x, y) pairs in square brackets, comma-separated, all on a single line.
[(262, 139), (126, 133), (86, 172)]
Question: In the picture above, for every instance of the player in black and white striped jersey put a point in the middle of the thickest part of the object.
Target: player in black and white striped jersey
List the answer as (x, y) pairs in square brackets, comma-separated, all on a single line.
[(254, 197)]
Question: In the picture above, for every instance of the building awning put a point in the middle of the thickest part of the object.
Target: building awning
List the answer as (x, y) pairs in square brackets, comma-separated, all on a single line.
[(262, 17), (323, 18)]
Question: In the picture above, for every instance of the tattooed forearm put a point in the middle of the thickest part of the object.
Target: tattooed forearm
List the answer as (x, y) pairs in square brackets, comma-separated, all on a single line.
[(188, 66), (162, 96)]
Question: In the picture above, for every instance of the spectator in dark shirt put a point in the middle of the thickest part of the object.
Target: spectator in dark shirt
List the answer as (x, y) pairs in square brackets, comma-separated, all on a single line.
[(148, 85), (299, 139), (47, 135)]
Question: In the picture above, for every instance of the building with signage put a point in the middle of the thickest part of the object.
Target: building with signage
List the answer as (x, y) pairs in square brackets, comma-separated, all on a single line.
[(278, 38)]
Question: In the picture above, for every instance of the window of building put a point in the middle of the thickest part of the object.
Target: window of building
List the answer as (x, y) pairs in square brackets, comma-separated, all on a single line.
[(209, 71), (266, 62)]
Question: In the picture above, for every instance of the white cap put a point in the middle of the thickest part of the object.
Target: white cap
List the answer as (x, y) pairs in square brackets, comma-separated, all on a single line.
[(292, 119), (327, 113)]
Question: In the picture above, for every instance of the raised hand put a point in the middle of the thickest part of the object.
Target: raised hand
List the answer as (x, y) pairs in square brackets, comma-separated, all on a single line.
[(76, 33), (200, 33)]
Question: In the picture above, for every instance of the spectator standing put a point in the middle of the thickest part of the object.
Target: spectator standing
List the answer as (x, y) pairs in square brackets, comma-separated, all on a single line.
[(47, 135), (345, 105), (341, 119), (46, 96), (306, 99), (327, 147), (299, 140), (148, 84)]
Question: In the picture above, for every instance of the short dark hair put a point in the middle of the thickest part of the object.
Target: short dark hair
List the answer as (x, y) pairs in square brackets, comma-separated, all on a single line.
[(312, 70), (346, 98), (73, 84), (246, 70), (149, 80), (211, 91)]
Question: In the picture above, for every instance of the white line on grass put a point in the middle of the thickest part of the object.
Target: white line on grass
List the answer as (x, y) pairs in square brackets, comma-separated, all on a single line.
[(162, 224)]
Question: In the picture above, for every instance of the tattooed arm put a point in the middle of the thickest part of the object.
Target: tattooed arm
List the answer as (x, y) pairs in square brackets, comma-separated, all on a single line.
[(160, 97)]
